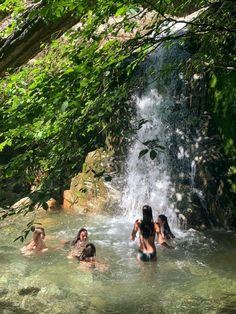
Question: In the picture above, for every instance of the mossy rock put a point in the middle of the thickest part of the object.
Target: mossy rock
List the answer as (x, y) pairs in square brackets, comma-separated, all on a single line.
[(88, 190)]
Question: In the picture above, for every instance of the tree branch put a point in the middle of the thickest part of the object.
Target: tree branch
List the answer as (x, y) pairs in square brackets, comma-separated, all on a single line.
[(25, 43)]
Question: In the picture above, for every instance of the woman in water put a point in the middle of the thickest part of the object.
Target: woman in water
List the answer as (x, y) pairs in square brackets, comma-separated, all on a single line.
[(88, 258), (37, 244), (147, 230), (164, 228), (78, 244), (89, 253)]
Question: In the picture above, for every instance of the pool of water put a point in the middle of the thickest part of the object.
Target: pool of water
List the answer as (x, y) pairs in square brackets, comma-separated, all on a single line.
[(199, 276)]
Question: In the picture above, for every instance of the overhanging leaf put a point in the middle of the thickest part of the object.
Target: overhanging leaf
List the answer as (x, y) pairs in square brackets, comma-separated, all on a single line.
[(153, 154), (142, 153)]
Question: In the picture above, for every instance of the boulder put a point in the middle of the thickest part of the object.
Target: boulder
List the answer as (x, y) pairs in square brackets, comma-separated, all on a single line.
[(89, 191), (22, 203)]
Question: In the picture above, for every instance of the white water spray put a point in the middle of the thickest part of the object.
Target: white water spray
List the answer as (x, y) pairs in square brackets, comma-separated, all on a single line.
[(147, 180)]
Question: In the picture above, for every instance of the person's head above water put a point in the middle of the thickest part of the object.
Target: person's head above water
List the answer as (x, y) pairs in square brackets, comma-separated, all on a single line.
[(162, 220), (147, 225), (89, 252), (38, 233), (82, 236), (147, 213)]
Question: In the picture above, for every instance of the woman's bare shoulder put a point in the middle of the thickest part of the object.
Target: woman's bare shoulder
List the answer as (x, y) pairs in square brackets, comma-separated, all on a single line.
[(157, 226)]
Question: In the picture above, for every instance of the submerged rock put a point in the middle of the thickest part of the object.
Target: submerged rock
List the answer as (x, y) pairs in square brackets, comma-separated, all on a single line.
[(9, 307), (29, 290), (3, 292)]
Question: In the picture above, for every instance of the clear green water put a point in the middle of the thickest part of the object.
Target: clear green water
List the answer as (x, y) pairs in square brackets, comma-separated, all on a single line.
[(198, 277)]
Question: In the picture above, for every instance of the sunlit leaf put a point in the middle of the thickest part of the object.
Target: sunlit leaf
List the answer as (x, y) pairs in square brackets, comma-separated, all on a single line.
[(121, 11)]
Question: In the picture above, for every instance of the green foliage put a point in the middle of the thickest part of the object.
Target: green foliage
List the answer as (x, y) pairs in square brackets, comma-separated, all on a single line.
[(15, 8), (24, 233), (55, 111), (153, 147), (9, 6), (223, 86), (213, 42), (142, 153), (76, 95)]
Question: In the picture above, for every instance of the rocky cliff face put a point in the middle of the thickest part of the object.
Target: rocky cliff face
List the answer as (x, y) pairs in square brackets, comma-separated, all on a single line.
[(199, 167), (212, 199)]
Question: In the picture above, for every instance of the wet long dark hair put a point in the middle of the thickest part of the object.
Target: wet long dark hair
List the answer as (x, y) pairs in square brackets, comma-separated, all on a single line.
[(147, 224), (76, 239), (166, 228), (88, 251)]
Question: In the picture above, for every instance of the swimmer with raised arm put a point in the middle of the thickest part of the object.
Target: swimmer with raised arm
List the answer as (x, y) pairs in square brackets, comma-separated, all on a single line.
[(37, 244), (147, 231)]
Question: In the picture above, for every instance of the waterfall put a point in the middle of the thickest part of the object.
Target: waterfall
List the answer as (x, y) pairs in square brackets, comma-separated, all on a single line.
[(168, 105), (147, 180)]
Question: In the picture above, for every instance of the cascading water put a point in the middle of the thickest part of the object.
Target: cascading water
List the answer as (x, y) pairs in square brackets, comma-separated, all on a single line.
[(162, 105), (166, 182), (148, 181), (168, 104)]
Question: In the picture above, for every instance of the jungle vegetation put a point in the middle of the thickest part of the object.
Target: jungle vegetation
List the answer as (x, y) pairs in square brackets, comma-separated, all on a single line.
[(67, 75)]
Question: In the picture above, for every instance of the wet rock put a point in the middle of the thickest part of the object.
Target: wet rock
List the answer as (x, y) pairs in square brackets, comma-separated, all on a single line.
[(89, 191), (24, 202)]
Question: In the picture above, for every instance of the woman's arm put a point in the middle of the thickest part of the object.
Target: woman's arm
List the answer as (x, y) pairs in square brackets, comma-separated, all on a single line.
[(135, 230)]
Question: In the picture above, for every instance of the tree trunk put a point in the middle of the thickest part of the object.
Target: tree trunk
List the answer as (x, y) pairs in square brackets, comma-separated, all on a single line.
[(26, 42)]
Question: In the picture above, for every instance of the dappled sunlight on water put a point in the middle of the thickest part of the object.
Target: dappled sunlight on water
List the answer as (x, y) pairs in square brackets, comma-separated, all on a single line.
[(197, 277)]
